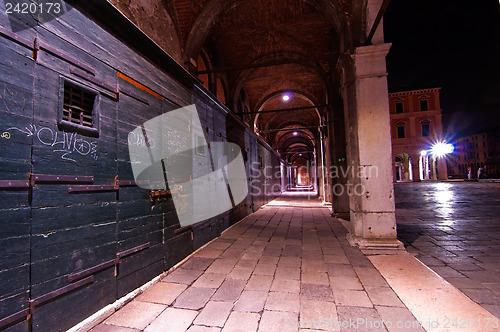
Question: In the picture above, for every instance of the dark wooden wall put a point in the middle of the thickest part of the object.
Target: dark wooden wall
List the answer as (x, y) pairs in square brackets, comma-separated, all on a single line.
[(66, 252)]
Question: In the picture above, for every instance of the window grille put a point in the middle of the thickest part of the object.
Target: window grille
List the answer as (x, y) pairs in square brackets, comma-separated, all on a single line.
[(78, 105)]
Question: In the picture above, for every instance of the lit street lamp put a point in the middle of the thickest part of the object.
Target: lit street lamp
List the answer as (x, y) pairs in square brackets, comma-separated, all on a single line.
[(441, 149)]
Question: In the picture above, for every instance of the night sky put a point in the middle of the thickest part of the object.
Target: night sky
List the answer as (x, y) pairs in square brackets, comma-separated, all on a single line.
[(453, 44)]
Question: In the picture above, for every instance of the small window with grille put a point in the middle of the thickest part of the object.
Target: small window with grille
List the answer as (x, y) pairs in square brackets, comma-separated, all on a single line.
[(78, 108), (78, 105)]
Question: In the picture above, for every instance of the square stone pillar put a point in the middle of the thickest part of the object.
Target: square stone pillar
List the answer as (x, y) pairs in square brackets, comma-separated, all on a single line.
[(369, 152)]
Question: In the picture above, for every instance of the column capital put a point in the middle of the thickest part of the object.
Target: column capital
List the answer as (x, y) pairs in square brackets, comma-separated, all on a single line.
[(369, 61)]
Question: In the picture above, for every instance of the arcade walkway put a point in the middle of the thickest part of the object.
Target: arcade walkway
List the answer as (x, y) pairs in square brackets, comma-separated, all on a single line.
[(286, 267)]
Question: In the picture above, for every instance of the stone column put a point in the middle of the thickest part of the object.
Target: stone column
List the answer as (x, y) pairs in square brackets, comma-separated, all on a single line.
[(366, 106), (442, 169), (336, 173), (415, 165)]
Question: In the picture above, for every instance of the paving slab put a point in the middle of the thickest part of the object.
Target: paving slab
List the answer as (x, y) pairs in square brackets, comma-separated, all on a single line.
[(289, 267)]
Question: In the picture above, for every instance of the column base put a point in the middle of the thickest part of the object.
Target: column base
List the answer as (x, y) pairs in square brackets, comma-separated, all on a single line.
[(376, 246), (342, 215)]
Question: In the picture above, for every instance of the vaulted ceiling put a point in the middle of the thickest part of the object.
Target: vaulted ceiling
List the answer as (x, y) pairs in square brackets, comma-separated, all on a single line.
[(260, 50)]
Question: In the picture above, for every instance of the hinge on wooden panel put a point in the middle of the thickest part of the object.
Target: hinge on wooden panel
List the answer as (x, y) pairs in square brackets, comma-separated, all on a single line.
[(36, 48), (159, 195)]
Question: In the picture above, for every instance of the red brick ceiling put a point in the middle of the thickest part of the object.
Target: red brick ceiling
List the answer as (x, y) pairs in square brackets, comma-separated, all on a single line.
[(246, 32)]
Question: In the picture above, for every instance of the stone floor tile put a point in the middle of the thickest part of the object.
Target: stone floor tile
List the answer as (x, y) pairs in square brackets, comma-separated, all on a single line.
[(183, 276), (265, 260), (112, 328), (210, 280), (265, 269), (431, 261), (242, 322), (483, 276), (314, 277), (198, 263), (194, 298), (338, 259), (345, 282), (291, 251), (494, 287), (279, 321), (316, 292), (312, 254), (229, 291), (240, 273), (314, 265), (370, 277), (445, 271), (172, 320), (288, 273), (251, 301), (290, 261), (279, 301), (399, 319), (272, 253), (352, 298), (222, 265), (214, 314), (232, 253), (285, 286), (464, 282), (162, 293), (198, 328), (358, 319), (208, 253), (136, 315), (320, 315), (340, 270), (493, 308), (259, 283), (482, 296), (383, 296), (247, 263), (220, 244)]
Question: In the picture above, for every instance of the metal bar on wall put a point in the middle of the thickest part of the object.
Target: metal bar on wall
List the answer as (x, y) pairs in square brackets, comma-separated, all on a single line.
[(37, 178), (133, 250), (16, 38), (66, 57), (14, 318), (14, 184), (92, 270), (91, 188), (58, 292)]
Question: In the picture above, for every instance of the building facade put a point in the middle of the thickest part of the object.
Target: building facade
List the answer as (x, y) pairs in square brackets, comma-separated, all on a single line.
[(415, 126), (477, 156)]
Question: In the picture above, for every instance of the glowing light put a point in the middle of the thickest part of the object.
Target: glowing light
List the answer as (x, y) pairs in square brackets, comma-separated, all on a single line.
[(423, 153), (286, 97), (440, 149), (295, 133)]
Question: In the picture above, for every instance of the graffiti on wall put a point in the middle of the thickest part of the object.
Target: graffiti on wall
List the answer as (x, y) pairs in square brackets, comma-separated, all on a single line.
[(68, 145)]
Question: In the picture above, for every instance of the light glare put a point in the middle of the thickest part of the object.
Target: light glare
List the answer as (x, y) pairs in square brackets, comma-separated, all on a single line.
[(441, 149), (286, 97)]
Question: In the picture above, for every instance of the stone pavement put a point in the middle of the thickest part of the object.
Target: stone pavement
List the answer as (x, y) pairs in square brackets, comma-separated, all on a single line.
[(454, 228), (283, 268)]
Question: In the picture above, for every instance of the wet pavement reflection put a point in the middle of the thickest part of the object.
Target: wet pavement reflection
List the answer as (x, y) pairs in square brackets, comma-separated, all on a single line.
[(454, 228)]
